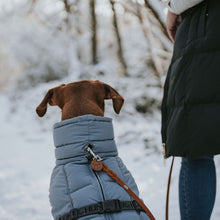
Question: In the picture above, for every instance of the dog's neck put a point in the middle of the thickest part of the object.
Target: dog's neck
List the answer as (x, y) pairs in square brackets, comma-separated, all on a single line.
[(72, 137)]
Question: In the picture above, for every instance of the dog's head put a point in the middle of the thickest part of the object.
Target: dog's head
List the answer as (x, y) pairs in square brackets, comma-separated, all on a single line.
[(80, 98)]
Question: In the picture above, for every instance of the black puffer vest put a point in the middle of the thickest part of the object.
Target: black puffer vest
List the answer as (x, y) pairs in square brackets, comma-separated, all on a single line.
[(191, 102)]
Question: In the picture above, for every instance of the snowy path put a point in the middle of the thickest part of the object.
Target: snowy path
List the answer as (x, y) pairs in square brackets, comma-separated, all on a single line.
[(27, 159)]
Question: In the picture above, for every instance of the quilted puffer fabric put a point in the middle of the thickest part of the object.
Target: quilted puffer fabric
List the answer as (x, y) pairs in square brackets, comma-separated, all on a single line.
[(73, 183)]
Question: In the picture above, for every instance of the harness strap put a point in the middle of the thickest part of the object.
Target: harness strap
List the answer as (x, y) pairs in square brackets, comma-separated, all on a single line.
[(108, 206)]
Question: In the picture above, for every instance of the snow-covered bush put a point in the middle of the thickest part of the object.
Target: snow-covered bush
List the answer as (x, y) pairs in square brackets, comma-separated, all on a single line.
[(34, 51)]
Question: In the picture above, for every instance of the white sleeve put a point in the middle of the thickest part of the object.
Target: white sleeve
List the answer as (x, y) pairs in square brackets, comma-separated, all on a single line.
[(179, 6)]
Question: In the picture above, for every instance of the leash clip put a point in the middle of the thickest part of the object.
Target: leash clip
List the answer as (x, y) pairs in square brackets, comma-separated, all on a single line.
[(95, 156)]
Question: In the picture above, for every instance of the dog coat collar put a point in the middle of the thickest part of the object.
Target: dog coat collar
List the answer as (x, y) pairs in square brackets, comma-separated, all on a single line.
[(72, 137)]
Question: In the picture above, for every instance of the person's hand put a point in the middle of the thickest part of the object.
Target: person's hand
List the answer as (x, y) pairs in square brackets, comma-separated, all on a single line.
[(172, 24)]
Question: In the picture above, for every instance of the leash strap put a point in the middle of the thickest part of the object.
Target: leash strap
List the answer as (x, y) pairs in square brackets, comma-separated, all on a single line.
[(98, 165), (108, 206), (168, 190)]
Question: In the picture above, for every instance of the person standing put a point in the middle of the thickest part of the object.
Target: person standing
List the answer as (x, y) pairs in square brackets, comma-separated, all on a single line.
[(191, 102)]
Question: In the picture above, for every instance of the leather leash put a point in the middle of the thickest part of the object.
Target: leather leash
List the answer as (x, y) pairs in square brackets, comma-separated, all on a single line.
[(168, 190), (98, 165)]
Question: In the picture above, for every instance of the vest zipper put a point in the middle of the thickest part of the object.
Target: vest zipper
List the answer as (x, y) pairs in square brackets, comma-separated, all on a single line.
[(97, 177), (102, 191)]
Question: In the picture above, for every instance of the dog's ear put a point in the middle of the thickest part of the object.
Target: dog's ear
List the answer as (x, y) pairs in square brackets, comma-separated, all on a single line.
[(42, 108), (117, 99)]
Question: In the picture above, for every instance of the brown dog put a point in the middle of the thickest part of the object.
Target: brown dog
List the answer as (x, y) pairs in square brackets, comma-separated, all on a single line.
[(76, 190), (81, 98)]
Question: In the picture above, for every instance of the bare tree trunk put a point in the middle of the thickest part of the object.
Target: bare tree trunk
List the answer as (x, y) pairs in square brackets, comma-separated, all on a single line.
[(67, 7), (94, 31), (33, 3), (158, 69), (77, 28), (120, 50), (157, 16)]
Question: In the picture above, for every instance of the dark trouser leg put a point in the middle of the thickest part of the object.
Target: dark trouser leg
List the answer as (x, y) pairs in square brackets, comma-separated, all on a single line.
[(197, 188)]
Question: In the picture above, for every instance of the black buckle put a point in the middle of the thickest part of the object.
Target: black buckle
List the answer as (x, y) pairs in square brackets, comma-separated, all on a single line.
[(110, 206), (100, 208), (136, 206), (94, 208), (73, 214)]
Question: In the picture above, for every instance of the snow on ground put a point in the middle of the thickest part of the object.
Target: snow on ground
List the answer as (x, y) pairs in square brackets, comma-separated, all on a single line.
[(27, 157)]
